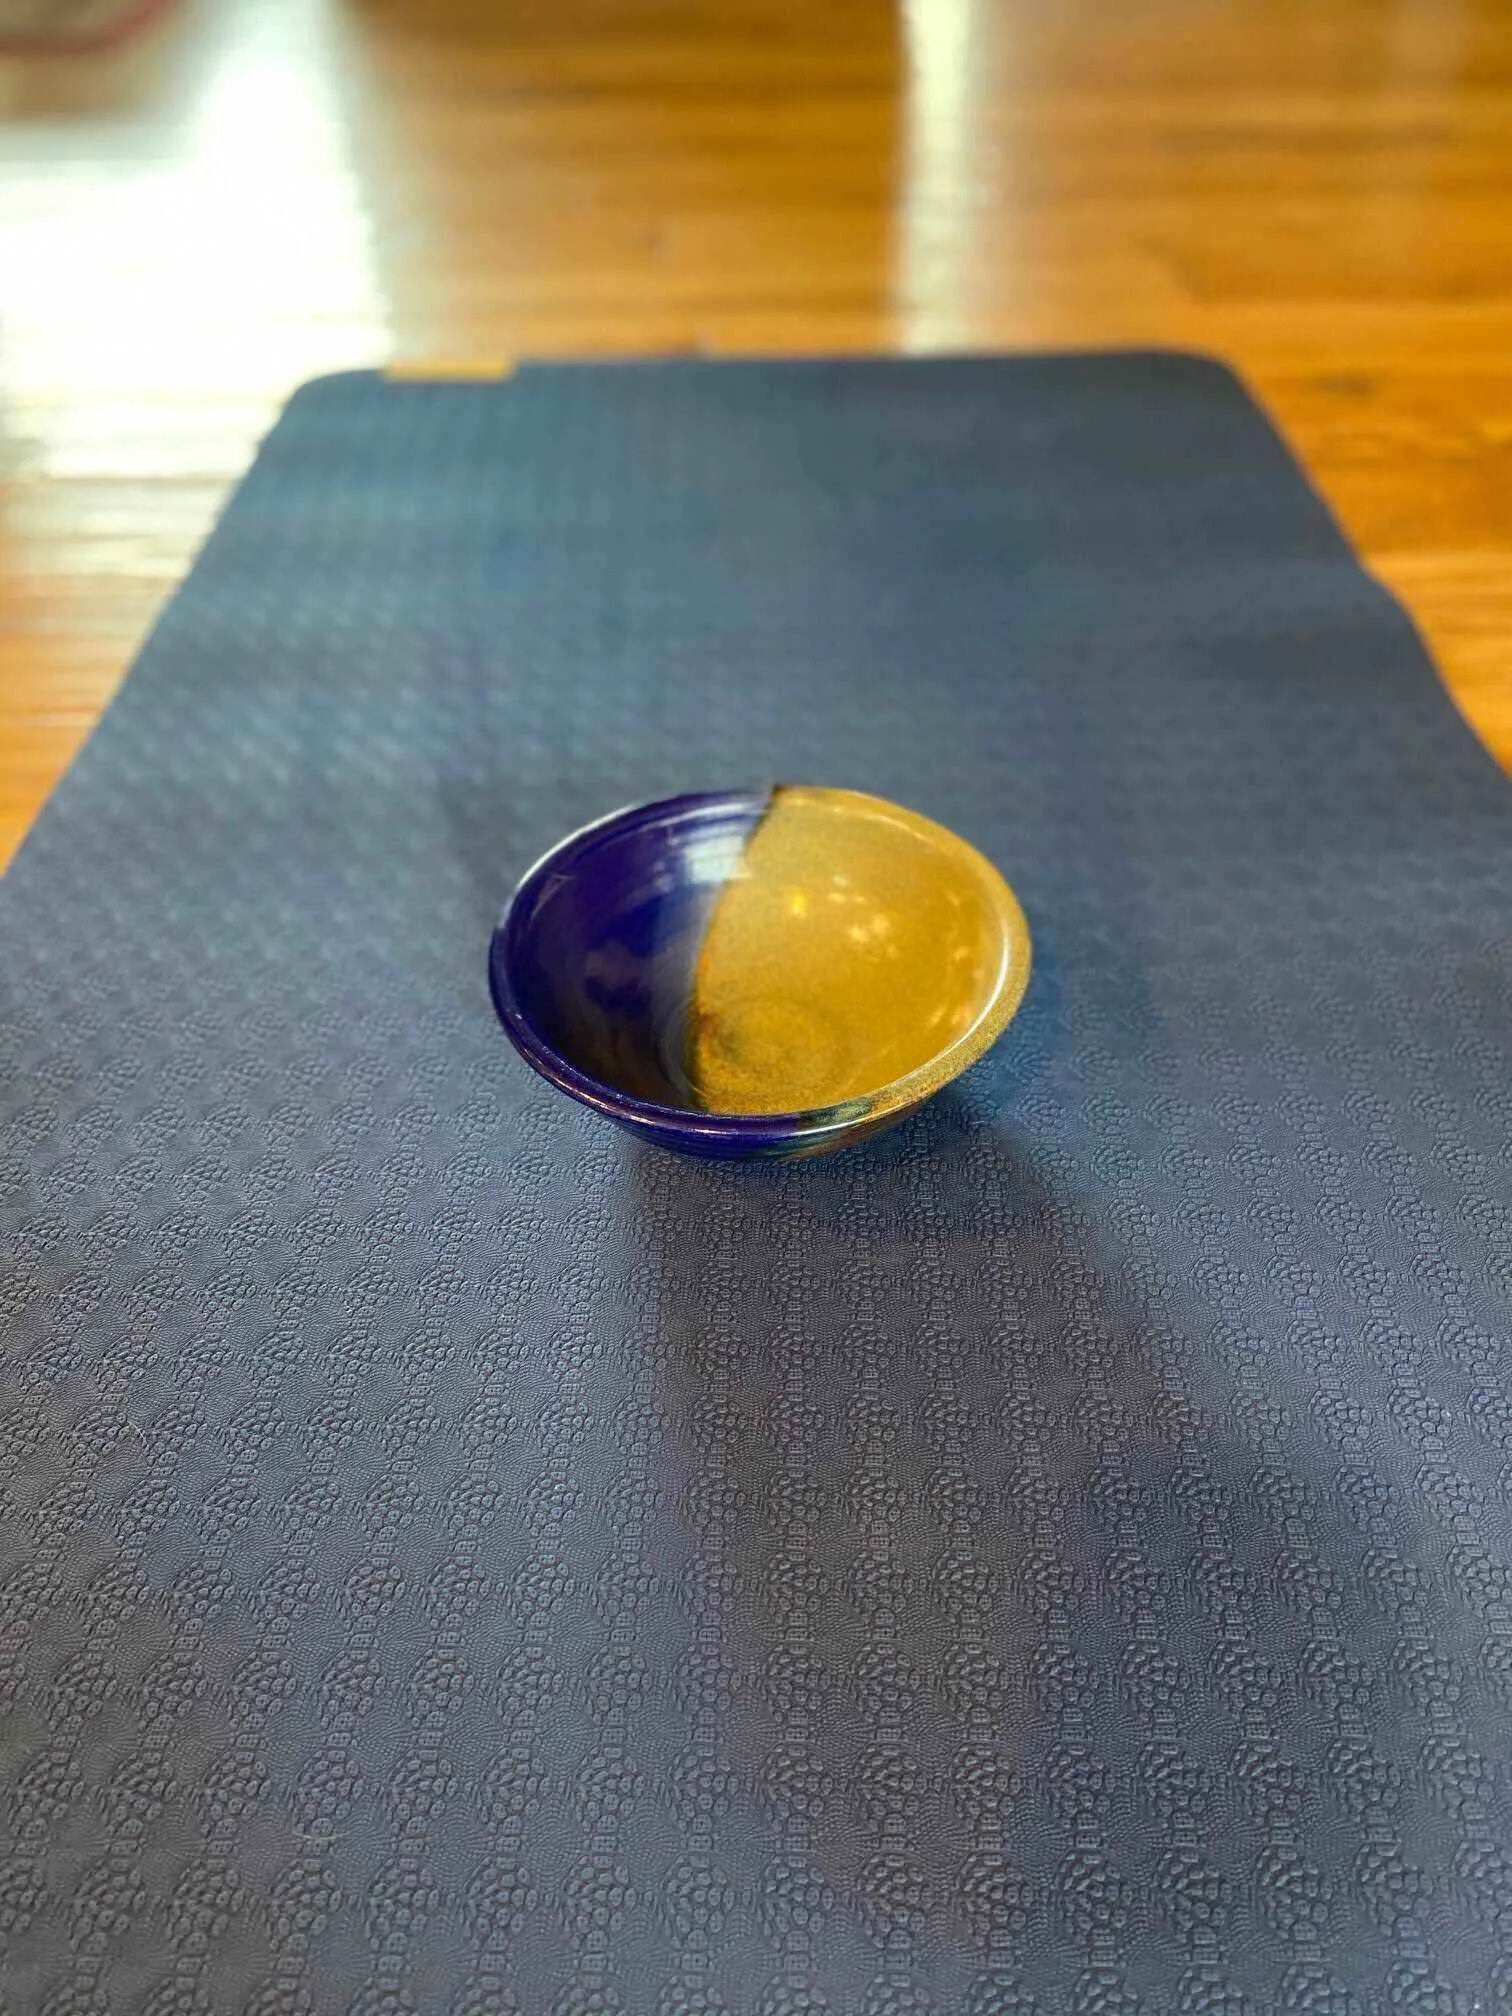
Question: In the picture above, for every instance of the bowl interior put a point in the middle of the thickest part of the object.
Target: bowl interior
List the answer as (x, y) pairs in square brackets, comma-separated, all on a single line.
[(765, 952)]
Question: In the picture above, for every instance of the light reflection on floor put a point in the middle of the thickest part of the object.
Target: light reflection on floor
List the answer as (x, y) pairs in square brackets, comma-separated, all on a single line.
[(205, 271)]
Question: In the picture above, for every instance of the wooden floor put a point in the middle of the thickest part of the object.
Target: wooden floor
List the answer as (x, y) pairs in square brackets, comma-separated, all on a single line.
[(257, 190)]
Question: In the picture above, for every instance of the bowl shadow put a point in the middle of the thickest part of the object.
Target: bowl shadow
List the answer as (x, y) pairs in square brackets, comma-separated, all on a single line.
[(924, 1437)]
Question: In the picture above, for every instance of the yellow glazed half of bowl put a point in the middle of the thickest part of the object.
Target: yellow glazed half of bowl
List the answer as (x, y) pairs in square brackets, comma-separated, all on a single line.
[(858, 953)]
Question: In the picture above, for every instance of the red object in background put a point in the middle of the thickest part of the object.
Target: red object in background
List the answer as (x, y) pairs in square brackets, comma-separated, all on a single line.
[(70, 27)]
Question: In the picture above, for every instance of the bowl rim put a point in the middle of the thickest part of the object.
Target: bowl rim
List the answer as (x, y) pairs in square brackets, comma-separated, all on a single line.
[(808, 1123)]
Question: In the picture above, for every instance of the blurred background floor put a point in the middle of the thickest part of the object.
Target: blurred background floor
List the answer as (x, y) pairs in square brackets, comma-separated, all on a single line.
[(252, 191)]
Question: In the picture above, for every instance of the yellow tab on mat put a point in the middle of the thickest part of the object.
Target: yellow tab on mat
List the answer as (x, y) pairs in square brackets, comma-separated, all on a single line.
[(409, 369)]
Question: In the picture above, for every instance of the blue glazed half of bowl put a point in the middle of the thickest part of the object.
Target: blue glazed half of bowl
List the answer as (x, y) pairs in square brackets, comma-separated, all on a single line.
[(760, 972)]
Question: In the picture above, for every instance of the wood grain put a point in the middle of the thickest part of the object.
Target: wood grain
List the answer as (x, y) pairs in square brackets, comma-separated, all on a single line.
[(258, 190)]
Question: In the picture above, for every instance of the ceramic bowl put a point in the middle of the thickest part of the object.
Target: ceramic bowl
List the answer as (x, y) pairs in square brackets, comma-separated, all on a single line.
[(773, 972)]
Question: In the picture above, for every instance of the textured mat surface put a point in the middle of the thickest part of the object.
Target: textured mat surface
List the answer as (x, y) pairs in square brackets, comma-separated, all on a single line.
[(1057, 1557)]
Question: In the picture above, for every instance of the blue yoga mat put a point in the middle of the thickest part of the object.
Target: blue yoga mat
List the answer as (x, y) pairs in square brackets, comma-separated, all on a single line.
[(1057, 1557)]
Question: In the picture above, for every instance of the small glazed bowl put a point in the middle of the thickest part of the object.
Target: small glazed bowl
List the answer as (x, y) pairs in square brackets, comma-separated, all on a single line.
[(769, 973)]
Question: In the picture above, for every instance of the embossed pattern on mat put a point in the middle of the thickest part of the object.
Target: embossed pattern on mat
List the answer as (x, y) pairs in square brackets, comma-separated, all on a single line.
[(1055, 1558)]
